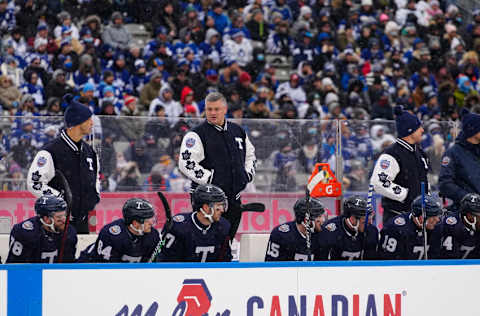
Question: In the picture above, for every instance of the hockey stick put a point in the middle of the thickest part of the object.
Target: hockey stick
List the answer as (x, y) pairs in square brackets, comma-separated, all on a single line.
[(308, 233), (67, 194), (370, 210), (253, 207), (166, 227), (424, 224)]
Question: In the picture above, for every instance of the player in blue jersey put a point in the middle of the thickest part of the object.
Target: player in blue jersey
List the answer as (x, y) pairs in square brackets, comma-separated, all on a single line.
[(402, 238), (130, 239), (201, 235), (38, 239), (461, 230), (343, 236), (288, 241)]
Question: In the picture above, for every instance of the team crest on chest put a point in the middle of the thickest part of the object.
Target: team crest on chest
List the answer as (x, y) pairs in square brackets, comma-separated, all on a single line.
[(451, 220), (399, 221), (28, 225), (178, 218), (115, 230), (284, 228), (331, 227)]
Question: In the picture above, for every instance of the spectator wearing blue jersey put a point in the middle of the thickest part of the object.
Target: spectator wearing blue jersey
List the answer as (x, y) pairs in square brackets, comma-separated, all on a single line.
[(220, 18), (211, 48), (34, 89), (87, 72), (7, 18), (279, 41), (281, 7), (138, 79), (120, 73)]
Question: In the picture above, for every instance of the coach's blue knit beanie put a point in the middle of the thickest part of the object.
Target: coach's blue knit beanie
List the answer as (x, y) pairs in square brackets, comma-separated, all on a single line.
[(470, 123), (76, 113), (407, 123)]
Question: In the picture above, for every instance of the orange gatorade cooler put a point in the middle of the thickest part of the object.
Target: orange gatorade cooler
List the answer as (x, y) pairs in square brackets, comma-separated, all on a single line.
[(323, 183)]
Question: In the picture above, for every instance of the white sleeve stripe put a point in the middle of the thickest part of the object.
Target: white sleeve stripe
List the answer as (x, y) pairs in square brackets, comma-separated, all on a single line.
[(249, 157)]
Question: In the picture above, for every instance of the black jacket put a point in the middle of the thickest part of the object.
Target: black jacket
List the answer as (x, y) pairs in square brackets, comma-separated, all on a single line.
[(398, 173), (223, 156), (80, 167)]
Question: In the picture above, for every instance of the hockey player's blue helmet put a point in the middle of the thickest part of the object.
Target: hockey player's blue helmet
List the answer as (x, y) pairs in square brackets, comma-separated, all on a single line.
[(137, 209), (49, 204), (300, 208), (207, 194), (355, 206), (470, 203), (432, 206)]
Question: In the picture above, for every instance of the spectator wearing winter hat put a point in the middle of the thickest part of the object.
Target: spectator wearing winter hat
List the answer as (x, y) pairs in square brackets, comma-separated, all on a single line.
[(464, 89), (109, 95), (165, 99), (9, 94), (116, 35), (401, 167), (139, 78), (32, 87), (65, 20), (131, 128), (57, 87), (150, 90), (293, 89), (279, 41), (67, 37), (244, 86), (76, 159), (238, 48), (66, 58), (120, 72), (460, 170), (88, 94), (221, 20), (87, 71), (10, 68)]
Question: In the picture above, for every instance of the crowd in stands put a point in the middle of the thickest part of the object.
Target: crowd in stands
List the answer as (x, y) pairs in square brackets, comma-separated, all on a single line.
[(352, 60)]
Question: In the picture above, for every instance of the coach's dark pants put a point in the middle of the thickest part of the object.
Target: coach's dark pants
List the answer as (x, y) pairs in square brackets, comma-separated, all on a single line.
[(80, 224), (234, 216)]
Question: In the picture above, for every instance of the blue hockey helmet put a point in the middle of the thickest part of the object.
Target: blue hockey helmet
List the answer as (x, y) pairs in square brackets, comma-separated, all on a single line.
[(137, 209), (207, 194), (49, 204), (470, 203), (355, 206), (300, 208), (432, 206)]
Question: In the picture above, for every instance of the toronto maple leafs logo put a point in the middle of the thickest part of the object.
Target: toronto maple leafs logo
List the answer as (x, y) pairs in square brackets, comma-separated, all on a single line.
[(199, 173), (37, 186), (46, 192), (387, 184), (186, 155), (190, 165), (36, 176), (397, 189), (382, 177)]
